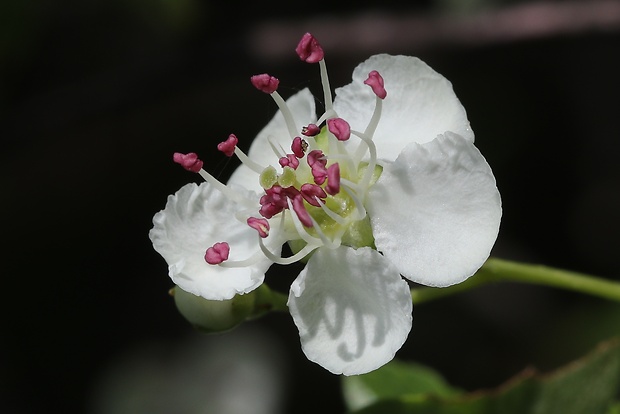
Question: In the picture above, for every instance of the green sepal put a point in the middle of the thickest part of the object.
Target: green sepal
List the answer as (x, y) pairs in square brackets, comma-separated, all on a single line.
[(214, 316)]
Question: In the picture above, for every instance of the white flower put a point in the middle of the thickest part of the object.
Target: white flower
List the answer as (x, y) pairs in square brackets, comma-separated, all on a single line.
[(392, 185)]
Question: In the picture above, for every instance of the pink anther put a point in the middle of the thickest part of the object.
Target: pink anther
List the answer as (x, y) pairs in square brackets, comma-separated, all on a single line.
[(265, 83), (300, 210), (319, 173), (188, 161), (299, 147), (309, 49), (268, 210), (333, 179), (340, 128), (375, 81), (316, 156), (260, 225), (289, 161), (273, 202), (228, 146), (310, 130), (217, 253), (270, 205), (316, 160), (310, 191)]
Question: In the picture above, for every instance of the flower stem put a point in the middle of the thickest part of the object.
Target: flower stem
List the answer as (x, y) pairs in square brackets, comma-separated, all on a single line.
[(270, 300), (279, 301), (496, 270)]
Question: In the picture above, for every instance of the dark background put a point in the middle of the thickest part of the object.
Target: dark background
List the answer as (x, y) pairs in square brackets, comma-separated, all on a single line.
[(95, 96)]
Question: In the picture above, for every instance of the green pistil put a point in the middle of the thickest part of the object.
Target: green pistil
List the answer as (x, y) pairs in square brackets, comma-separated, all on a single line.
[(288, 178), (268, 177)]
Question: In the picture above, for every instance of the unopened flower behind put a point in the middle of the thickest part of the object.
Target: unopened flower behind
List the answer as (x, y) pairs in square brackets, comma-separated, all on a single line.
[(386, 182)]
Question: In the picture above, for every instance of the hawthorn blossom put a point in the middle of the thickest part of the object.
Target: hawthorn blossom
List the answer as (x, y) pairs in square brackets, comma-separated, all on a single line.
[(386, 183)]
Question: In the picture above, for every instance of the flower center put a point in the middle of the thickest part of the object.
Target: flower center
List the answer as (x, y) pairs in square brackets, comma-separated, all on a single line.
[(317, 195), (322, 187)]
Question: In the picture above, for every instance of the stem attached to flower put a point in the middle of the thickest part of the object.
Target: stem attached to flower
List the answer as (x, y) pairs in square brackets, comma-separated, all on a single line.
[(496, 270), (272, 300)]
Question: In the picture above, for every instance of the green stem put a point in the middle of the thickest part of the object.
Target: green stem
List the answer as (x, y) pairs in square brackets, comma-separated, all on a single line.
[(268, 299), (495, 270), (279, 301)]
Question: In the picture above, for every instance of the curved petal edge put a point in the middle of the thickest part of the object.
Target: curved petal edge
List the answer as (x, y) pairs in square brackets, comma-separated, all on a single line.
[(435, 212), (194, 219), (352, 309)]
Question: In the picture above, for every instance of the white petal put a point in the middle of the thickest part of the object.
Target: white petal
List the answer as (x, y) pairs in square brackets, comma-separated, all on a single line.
[(435, 212), (420, 104), (352, 309), (303, 109), (195, 218)]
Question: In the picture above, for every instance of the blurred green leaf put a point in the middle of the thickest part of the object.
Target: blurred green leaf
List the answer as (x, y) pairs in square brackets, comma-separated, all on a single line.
[(393, 380), (614, 408), (589, 385)]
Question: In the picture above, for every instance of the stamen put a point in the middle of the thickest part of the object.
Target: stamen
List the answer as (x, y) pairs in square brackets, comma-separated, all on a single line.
[(340, 128), (332, 244), (299, 147), (371, 128), (351, 164), (374, 120), (327, 94), (265, 83), (302, 214), (375, 81), (217, 253), (290, 160), (255, 258), (257, 168), (310, 191), (309, 50), (316, 161), (333, 179), (269, 84), (338, 219), (273, 201), (307, 249), (311, 130), (301, 230), (227, 192), (329, 113), (372, 163), (188, 161), (260, 225), (316, 156), (286, 191), (276, 147), (359, 206), (350, 184), (286, 112), (228, 146)]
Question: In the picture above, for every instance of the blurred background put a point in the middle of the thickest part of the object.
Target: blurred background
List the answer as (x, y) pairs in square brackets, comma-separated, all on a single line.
[(95, 96)]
